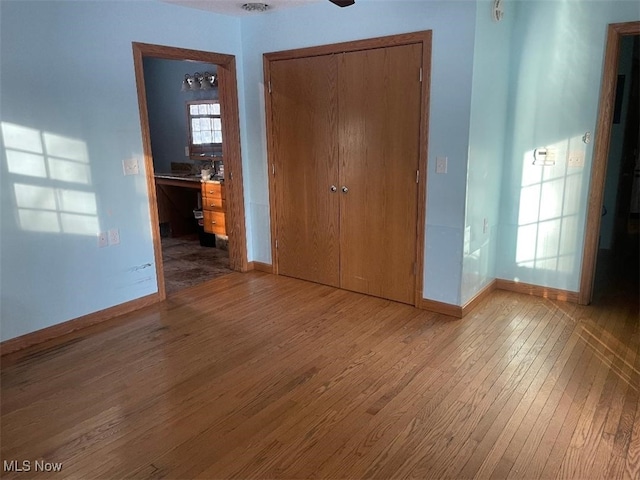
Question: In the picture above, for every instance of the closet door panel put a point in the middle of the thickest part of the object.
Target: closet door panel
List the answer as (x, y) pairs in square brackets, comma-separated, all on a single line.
[(379, 131), (304, 119)]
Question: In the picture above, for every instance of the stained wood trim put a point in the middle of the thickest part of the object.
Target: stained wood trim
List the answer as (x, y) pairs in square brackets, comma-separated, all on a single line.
[(497, 284), (61, 329), (424, 148), (260, 267), (536, 290), (441, 307), (138, 54), (228, 94), (600, 156), (423, 37), (352, 46), (234, 190), (273, 204), (479, 297)]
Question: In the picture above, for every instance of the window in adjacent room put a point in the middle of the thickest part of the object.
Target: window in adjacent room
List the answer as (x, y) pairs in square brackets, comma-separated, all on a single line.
[(205, 128)]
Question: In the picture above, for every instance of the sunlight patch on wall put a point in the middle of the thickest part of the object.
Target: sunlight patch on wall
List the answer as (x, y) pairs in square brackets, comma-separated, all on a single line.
[(44, 164), (547, 236)]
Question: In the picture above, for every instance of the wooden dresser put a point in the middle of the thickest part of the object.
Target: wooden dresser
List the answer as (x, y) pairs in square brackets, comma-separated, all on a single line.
[(213, 207)]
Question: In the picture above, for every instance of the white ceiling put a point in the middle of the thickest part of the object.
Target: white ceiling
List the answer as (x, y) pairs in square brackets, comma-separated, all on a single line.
[(233, 7)]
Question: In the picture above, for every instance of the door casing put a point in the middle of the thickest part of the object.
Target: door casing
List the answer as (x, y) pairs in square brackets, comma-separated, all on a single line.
[(228, 90), (601, 155)]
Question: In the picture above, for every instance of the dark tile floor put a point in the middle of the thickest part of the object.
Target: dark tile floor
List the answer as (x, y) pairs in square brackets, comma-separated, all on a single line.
[(186, 263)]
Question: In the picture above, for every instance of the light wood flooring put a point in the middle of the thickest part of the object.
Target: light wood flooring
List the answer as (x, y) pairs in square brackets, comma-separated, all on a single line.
[(259, 376)]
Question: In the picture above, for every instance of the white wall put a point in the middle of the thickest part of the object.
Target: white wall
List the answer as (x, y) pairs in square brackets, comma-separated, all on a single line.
[(453, 25), (69, 117)]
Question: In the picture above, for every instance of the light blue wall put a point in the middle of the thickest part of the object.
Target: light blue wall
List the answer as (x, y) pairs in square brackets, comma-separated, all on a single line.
[(614, 162), (166, 104), (489, 107), (69, 117), (555, 88), (453, 25)]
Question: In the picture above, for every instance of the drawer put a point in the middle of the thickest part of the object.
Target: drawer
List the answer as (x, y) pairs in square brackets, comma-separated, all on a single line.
[(214, 222), (211, 203), (210, 189)]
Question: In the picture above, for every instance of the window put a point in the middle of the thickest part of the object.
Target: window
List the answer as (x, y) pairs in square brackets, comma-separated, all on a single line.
[(205, 128)]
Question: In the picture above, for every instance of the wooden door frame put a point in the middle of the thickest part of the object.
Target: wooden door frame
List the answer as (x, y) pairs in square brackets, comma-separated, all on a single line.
[(601, 155), (228, 94), (422, 37)]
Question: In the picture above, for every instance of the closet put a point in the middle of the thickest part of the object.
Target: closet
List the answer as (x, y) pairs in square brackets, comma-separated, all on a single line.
[(347, 138)]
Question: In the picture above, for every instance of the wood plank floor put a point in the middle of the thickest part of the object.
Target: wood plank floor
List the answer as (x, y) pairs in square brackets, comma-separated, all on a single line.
[(259, 376)]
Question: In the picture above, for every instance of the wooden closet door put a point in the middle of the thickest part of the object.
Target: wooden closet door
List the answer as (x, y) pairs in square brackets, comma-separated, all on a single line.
[(379, 125), (304, 120)]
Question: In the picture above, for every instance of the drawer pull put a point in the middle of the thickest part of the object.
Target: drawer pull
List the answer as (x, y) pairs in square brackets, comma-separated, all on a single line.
[(213, 222)]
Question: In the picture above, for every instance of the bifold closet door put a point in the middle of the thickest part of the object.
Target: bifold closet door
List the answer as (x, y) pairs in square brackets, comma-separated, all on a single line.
[(379, 94), (304, 124)]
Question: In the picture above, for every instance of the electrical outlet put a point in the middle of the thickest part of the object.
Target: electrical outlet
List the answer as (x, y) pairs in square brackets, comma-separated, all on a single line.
[(103, 240), (576, 159), (441, 164), (114, 236), (186, 151), (130, 166)]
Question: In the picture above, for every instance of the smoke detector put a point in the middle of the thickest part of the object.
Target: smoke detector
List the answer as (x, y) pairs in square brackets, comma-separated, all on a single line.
[(255, 7)]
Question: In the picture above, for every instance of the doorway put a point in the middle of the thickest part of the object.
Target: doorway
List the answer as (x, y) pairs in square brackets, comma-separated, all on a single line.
[(617, 267), (234, 196), (599, 261)]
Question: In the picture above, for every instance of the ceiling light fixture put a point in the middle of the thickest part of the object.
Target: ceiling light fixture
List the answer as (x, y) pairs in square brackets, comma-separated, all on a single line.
[(255, 7)]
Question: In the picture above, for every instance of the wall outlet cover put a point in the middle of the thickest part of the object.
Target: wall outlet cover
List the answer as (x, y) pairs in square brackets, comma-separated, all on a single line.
[(441, 164), (114, 236), (576, 159), (130, 166)]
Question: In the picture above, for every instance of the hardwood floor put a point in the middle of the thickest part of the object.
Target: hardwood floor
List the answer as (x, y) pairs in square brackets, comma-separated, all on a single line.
[(259, 376)]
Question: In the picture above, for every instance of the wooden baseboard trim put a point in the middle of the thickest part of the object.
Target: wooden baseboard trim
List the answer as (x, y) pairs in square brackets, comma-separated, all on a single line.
[(55, 331), (440, 307), (481, 295), (260, 267), (537, 291)]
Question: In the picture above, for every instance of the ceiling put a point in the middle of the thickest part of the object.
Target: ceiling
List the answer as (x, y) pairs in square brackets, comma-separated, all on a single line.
[(233, 7)]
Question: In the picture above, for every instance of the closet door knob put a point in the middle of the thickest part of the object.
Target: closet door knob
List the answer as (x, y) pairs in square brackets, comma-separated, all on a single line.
[(345, 189), (333, 188)]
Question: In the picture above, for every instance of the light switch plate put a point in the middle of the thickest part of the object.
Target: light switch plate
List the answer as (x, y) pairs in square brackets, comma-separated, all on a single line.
[(441, 164)]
